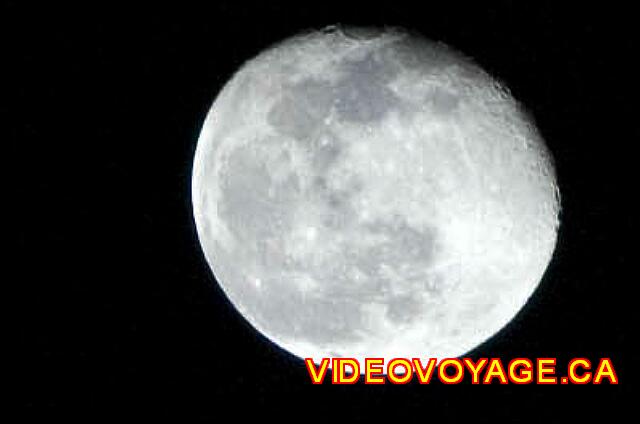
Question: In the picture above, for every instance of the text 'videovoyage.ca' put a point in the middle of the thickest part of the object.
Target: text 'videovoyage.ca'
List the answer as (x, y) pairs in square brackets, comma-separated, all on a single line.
[(455, 371)]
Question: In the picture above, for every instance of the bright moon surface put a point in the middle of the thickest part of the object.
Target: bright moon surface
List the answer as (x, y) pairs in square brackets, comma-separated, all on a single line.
[(370, 193)]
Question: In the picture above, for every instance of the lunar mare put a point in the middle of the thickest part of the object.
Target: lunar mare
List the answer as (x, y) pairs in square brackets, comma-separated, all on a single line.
[(369, 193)]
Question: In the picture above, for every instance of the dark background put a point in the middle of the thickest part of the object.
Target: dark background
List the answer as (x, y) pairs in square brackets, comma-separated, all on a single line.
[(119, 315)]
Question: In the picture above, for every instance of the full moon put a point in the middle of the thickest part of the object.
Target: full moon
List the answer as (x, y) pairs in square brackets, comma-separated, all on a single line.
[(364, 192)]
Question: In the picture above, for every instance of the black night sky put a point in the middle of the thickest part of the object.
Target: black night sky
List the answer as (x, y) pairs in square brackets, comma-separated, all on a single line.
[(118, 313)]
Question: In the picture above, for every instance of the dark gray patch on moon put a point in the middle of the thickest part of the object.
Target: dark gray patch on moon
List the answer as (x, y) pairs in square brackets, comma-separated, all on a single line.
[(250, 199), (360, 95), (405, 243), (301, 109), (442, 101), (363, 94)]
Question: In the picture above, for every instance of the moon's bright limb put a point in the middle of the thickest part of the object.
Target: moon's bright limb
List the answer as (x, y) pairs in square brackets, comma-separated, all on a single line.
[(372, 194)]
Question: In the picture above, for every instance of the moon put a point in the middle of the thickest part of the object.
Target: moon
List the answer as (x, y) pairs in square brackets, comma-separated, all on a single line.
[(363, 192)]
